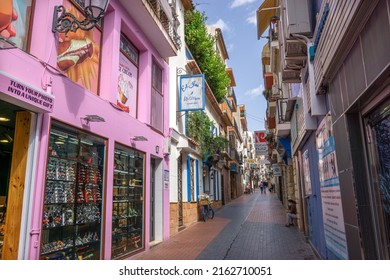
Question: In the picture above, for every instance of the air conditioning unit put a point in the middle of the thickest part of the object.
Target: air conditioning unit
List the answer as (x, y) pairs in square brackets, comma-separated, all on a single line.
[(291, 76), (295, 48), (167, 146), (276, 92), (297, 18)]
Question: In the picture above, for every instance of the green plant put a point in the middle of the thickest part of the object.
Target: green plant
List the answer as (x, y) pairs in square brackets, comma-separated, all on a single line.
[(266, 94), (201, 45), (199, 128)]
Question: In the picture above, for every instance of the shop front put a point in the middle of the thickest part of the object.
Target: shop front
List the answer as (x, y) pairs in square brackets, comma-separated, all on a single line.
[(22, 106)]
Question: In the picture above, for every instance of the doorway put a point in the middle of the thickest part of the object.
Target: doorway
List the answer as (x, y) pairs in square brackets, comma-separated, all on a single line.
[(15, 126), (377, 124)]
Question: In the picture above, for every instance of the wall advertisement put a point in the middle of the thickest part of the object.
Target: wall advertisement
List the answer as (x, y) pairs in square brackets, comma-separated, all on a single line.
[(333, 218)]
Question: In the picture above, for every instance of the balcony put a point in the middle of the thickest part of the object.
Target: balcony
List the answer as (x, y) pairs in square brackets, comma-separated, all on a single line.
[(285, 108), (231, 96), (157, 20), (235, 155), (227, 111), (243, 118)]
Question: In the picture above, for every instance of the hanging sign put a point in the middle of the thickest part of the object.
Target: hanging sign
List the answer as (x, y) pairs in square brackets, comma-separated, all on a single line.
[(192, 92), (276, 170), (261, 145)]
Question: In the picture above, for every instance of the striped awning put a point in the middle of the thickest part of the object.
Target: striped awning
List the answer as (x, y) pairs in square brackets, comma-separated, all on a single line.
[(264, 14)]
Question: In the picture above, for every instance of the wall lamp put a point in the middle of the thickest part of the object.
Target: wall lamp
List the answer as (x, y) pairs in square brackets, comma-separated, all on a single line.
[(138, 138), (64, 22), (93, 118), (6, 138)]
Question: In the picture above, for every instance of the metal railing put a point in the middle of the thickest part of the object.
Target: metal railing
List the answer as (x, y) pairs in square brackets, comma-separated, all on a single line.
[(170, 27)]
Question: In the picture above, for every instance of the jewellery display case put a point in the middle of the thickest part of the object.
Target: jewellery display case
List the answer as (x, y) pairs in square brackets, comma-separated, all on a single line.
[(128, 202), (72, 210)]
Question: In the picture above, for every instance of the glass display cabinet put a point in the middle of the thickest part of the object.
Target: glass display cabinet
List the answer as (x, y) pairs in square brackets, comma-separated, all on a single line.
[(72, 210), (128, 202)]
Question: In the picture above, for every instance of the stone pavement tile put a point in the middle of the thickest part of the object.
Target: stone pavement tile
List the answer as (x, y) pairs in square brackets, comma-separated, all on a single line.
[(263, 235), (187, 244), (250, 227)]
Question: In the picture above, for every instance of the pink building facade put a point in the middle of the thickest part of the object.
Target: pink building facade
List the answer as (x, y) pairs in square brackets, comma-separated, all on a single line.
[(86, 173)]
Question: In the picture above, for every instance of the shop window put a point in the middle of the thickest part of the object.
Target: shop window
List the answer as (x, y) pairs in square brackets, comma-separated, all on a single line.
[(79, 52), (128, 202), (72, 211), (157, 98), (126, 95)]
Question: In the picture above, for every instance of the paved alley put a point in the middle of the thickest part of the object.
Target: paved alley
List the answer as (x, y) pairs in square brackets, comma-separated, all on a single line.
[(249, 228)]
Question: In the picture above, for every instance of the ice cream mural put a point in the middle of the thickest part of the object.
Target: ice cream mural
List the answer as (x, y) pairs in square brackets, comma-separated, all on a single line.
[(127, 85), (79, 54), (14, 21)]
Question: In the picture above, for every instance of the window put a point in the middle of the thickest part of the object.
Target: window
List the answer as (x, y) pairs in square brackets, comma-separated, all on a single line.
[(157, 98), (73, 203), (127, 77)]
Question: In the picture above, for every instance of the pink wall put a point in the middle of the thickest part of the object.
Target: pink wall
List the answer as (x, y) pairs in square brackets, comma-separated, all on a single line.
[(73, 102)]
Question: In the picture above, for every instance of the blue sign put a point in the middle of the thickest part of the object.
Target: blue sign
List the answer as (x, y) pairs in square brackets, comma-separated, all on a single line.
[(192, 92)]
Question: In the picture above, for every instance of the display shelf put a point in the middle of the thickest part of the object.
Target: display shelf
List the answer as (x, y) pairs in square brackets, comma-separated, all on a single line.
[(72, 211), (128, 204)]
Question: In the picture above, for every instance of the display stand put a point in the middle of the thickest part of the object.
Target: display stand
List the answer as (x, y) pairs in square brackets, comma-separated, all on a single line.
[(128, 202), (72, 211)]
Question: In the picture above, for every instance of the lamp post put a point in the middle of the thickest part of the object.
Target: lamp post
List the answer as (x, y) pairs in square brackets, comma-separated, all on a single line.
[(64, 22)]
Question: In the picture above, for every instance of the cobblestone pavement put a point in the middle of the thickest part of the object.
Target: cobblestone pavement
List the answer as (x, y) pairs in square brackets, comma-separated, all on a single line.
[(249, 228)]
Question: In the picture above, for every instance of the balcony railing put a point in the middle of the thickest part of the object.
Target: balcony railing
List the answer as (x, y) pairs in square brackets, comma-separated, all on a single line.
[(235, 155), (225, 107), (170, 26)]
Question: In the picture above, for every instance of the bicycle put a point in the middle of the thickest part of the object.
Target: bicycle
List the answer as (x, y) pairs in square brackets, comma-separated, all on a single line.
[(207, 210)]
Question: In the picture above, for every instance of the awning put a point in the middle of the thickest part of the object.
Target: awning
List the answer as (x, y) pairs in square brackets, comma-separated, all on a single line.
[(265, 55), (264, 14), (286, 143)]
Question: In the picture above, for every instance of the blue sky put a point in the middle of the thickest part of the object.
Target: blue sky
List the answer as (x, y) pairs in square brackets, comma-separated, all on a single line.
[(237, 20)]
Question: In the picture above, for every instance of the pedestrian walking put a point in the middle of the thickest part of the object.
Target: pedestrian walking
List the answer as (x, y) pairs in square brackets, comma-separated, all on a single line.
[(261, 186), (265, 185)]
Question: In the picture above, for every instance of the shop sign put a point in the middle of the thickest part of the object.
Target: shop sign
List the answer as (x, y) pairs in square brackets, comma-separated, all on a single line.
[(192, 92), (26, 93), (166, 179)]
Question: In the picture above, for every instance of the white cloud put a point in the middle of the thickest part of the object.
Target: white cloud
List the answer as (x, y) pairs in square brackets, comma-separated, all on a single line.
[(254, 92), (222, 25), (251, 19), (230, 47), (238, 3)]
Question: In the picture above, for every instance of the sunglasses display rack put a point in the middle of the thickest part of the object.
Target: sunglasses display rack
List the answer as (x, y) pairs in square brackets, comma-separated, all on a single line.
[(72, 211), (128, 202)]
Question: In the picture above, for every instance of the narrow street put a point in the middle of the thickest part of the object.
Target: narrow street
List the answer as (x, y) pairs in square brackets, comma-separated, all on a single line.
[(249, 228)]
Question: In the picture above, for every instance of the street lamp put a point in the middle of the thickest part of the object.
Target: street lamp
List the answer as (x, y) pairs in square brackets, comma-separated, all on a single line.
[(65, 22)]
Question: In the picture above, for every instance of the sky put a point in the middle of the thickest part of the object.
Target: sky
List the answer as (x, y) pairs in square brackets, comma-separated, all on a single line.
[(237, 20)]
